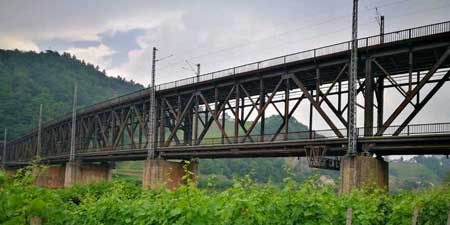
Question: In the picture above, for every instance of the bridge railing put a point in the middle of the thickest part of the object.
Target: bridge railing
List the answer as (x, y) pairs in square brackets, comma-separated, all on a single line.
[(410, 130), (416, 32), (331, 49), (402, 35)]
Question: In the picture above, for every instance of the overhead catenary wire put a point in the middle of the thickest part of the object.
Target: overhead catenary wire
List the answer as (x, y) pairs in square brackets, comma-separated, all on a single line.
[(309, 26)]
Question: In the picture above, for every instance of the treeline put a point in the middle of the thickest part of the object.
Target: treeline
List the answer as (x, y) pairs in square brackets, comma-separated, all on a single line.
[(28, 79)]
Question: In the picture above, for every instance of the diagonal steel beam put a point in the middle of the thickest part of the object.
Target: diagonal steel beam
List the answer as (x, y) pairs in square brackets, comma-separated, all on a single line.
[(214, 115), (241, 123), (248, 96), (262, 109), (390, 79), (316, 106), (121, 129), (335, 111), (422, 103), (344, 69), (360, 89), (211, 120), (275, 135), (411, 94), (102, 130), (179, 119)]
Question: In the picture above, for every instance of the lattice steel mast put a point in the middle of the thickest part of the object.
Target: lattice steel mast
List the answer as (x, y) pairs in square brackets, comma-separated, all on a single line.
[(39, 137), (74, 119), (352, 117), (4, 147), (152, 111)]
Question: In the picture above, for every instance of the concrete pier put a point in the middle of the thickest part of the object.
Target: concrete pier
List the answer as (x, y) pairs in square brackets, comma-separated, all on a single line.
[(362, 171), (85, 173), (162, 173), (10, 171), (50, 176)]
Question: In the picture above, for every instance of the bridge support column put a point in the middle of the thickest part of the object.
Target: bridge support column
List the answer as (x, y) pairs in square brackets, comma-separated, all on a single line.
[(85, 173), (49, 177), (10, 171), (162, 173), (360, 171)]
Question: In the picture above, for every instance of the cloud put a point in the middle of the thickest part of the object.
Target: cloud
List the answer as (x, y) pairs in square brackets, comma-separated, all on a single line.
[(11, 42), (119, 35), (100, 55)]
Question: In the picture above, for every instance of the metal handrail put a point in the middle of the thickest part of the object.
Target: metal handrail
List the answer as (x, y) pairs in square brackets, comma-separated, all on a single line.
[(409, 130), (308, 54), (370, 41)]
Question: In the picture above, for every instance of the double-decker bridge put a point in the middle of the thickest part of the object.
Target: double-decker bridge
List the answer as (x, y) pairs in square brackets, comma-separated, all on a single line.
[(413, 62)]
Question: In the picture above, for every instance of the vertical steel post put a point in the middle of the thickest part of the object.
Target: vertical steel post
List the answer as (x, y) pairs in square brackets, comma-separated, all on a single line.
[(368, 100), (286, 110), (410, 69), (39, 137), (196, 118), (198, 72), (418, 91), (151, 117), (352, 117), (340, 97), (236, 114), (222, 141), (74, 119), (380, 101), (5, 135), (381, 29), (162, 124), (311, 108), (262, 102)]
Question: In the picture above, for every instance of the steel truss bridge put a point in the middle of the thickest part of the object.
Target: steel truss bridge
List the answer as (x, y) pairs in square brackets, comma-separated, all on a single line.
[(189, 110)]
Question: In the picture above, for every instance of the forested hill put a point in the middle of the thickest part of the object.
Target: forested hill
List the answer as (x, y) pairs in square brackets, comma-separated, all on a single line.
[(28, 79)]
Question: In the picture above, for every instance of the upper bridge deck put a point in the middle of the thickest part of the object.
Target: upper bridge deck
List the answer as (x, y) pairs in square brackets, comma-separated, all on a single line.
[(101, 128)]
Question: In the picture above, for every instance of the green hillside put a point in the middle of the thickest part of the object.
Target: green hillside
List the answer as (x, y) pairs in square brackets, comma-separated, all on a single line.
[(28, 79)]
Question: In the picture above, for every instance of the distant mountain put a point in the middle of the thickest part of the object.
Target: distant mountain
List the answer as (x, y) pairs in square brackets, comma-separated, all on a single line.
[(28, 79)]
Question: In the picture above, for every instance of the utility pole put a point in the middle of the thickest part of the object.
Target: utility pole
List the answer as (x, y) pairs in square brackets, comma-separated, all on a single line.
[(380, 21), (381, 29), (39, 137), (4, 146), (74, 119), (352, 117), (151, 118), (198, 72), (152, 108)]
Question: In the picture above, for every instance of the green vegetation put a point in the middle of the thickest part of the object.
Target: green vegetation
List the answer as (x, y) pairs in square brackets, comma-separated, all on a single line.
[(246, 202), (28, 79)]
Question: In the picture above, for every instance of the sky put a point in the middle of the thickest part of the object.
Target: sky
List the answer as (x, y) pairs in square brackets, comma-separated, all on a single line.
[(118, 36)]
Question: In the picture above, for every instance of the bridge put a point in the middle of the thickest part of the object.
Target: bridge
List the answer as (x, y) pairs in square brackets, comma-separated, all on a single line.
[(189, 110)]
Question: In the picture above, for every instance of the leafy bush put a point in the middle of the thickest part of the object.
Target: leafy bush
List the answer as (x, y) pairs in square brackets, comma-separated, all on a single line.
[(246, 202)]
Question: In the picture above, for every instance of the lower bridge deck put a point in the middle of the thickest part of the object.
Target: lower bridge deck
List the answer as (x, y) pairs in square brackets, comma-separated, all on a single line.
[(432, 143)]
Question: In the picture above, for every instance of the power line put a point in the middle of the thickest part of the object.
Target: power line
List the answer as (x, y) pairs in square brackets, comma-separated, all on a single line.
[(340, 30), (333, 19)]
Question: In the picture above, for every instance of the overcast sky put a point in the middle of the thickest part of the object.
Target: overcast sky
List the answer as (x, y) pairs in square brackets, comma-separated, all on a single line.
[(118, 35)]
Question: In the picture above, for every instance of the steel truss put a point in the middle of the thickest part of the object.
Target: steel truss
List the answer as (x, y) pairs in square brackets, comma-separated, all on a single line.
[(233, 110)]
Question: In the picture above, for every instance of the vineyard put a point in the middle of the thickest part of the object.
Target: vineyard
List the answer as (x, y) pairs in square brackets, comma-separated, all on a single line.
[(246, 202)]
